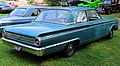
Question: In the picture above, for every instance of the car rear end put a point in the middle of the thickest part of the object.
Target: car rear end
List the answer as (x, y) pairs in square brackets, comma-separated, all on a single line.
[(23, 43)]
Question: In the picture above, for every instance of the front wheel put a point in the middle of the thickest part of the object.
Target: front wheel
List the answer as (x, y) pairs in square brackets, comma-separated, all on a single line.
[(110, 35), (69, 50)]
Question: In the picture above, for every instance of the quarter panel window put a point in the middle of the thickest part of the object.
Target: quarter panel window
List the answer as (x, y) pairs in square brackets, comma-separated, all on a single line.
[(93, 15)]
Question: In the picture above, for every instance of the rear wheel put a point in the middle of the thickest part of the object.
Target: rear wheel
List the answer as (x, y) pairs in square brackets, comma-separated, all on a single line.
[(69, 50)]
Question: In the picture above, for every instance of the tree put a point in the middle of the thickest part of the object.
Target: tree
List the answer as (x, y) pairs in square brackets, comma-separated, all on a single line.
[(53, 2)]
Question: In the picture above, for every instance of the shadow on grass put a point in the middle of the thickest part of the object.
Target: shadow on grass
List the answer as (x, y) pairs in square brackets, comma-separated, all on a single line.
[(24, 56)]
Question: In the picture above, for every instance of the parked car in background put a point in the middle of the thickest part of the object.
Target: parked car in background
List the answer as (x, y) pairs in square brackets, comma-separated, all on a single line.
[(109, 7), (6, 7), (59, 30), (82, 3), (20, 15)]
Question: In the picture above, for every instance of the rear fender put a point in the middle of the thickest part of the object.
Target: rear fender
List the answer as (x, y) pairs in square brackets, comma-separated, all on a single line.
[(58, 46)]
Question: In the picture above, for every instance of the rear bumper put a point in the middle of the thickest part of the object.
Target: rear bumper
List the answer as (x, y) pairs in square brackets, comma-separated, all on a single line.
[(26, 48), (101, 11)]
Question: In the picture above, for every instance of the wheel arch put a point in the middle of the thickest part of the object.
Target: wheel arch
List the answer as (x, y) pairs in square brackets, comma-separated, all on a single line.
[(75, 41), (113, 27), (67, 52)]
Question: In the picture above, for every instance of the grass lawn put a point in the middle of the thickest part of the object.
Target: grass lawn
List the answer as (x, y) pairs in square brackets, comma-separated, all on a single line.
[(115, 15), (104, 52)]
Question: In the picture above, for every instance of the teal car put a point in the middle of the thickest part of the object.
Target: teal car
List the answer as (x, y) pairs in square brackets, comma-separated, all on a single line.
[(60, 29), (20, 15)]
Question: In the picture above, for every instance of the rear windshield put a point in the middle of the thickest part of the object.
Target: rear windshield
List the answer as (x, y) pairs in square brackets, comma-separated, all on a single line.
[(53, 16)]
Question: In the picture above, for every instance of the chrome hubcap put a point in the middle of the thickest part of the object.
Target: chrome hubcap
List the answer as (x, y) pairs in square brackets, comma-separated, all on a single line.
[(70, 49)]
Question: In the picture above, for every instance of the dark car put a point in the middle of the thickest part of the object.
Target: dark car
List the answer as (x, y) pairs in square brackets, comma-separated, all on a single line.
[(109, 6), (20, 15), (6, 7)]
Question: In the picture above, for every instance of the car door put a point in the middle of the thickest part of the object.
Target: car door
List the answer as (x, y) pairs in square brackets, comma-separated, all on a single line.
[(91, 26), (97, 27), (83, 32)]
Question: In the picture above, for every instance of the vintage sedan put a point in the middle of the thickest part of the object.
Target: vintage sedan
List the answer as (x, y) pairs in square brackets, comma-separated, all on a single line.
[(6, 7), (59, 30), (20, 15)]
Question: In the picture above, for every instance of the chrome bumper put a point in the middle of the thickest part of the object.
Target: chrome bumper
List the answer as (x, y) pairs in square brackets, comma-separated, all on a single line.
[(26, 48)]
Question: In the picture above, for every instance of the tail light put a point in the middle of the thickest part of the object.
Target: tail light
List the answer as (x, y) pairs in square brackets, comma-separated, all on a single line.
[(37, 42)]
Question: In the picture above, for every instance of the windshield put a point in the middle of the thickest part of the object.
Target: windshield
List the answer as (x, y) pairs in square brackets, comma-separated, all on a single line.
[(53, 16), (18, 12)]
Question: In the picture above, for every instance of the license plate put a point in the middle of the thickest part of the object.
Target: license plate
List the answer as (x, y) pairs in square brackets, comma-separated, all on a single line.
[(16, 47)]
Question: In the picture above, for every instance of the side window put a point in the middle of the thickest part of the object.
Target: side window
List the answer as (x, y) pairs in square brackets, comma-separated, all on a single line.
[(73, 16), (36, 12), (93, 15), (82, 17)]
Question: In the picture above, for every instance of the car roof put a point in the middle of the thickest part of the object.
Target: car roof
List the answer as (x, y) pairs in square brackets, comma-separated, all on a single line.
[(33, 7), (73, 8)]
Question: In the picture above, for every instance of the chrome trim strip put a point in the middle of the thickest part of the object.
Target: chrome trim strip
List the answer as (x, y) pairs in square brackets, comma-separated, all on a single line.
[(20, 37), (43, 48), (70, 23), (34, 48), (61, 43)]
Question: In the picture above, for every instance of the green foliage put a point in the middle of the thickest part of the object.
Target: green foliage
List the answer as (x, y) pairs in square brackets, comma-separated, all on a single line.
[(53, 2)]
